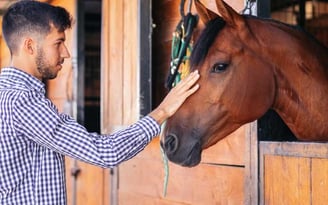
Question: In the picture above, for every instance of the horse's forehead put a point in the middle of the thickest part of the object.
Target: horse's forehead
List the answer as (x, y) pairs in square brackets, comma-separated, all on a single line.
[(219, 37), (228, 40)]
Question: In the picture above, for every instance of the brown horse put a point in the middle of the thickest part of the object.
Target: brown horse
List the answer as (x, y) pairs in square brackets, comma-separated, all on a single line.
[(247, 66)]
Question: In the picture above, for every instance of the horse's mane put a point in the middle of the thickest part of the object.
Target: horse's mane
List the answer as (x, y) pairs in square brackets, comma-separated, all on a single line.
[(205, 40), (296, 28), (317, 46)]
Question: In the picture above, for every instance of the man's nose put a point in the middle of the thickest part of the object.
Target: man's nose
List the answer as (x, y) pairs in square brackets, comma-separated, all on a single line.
[(65, 53)]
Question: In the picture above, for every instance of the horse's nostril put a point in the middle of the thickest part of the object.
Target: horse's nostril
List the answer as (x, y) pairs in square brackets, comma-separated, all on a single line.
[(171, 143)]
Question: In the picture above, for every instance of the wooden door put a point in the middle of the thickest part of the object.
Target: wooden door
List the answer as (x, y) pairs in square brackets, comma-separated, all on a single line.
[(293, 173)]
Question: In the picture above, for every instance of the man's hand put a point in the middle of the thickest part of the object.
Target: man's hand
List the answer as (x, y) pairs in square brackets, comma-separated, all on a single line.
[(176, 97)]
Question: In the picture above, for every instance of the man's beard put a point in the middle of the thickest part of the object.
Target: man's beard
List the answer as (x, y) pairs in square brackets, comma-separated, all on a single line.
[(43, 67)]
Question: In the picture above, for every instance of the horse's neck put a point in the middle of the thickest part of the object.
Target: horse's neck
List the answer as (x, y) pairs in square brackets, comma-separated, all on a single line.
[(300, 68), (302, 95)]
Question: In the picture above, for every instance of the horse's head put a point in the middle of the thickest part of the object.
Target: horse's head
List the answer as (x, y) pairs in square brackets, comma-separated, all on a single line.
[(236, 86)]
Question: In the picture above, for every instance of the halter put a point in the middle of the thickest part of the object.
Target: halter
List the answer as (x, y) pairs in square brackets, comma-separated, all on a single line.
[(181, 46)]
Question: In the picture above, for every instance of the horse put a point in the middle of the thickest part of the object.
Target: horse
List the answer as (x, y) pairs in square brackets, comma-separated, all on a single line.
[(247, 66)]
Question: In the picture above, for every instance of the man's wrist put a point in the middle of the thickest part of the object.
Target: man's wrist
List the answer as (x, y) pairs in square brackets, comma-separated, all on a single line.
[(159, 115)]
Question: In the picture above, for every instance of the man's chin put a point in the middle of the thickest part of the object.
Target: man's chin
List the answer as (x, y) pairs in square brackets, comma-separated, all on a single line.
[(49, 77)]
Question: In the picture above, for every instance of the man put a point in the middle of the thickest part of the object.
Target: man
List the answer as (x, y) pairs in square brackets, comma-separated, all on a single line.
[(34, 137)]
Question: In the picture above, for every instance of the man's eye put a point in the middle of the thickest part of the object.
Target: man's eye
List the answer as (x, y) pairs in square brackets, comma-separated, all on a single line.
[(219, 67), (58, 43)]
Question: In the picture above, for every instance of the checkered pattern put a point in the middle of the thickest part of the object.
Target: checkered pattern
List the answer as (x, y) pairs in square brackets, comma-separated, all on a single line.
[(34, 138)]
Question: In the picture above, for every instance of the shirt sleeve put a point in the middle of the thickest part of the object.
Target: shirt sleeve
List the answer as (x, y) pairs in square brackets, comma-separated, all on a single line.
[(37, 119)]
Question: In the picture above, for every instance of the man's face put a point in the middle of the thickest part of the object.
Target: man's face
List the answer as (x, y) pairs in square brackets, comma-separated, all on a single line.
[(51, 53)]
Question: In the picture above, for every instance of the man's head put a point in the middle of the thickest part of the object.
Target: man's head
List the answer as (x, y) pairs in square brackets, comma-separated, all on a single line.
[(34, 33), (32, 17)]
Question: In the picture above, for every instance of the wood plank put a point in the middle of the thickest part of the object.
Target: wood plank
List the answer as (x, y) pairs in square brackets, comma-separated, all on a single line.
[(296, 149), (107, 188), (104, 64), (319, 181), (128, 198), (251, 165), (203, 184), (287, 180), (105, 100), (130, 62), (230, 150), (116, 63), (112, 76), (207, 184), (90, 184)]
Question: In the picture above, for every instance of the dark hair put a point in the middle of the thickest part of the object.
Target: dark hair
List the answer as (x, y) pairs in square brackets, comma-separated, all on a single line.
[(32, 17), (205, 40)]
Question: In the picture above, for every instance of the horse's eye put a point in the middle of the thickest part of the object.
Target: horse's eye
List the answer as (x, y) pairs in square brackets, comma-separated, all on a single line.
[(219, 67)]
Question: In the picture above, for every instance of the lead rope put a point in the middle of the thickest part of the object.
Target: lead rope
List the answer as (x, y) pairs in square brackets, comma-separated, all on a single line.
[(179, 66), (165, 163)]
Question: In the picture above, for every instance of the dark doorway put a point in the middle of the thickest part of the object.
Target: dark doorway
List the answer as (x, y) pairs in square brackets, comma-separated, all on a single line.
[(89, 64)]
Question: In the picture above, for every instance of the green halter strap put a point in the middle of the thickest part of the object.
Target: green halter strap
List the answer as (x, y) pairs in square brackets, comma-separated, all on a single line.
[(181, 45)]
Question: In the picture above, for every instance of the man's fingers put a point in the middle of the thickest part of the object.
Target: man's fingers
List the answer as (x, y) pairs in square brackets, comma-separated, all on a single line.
[(192, 90), (188, 81)]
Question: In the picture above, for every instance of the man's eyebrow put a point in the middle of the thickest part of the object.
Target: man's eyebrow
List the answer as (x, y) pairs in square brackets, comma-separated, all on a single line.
[(60, 39)]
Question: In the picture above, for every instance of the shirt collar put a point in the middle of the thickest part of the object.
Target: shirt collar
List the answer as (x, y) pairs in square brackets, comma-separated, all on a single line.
[(21, 77)]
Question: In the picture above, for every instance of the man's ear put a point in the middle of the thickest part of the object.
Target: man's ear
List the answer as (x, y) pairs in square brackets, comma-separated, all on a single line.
[(29, 46)]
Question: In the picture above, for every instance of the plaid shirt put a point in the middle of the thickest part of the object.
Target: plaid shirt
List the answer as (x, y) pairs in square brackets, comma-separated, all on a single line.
[(34, 138)]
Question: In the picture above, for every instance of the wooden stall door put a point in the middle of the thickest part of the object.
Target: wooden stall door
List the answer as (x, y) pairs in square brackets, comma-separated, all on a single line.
[(293, 173)]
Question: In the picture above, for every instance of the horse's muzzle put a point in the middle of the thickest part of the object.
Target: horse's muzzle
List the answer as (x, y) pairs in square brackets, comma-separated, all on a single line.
[(185, 155)]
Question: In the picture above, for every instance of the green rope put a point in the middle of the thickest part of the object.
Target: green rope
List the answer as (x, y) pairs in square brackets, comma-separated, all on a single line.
[(166, 172), (166, 165)]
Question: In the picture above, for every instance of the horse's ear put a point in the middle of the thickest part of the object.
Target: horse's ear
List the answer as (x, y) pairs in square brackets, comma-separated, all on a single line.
[(228, 13), (205, 14)]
